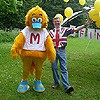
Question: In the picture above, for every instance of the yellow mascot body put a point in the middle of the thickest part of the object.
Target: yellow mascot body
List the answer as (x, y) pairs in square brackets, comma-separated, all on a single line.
[(34, 45)]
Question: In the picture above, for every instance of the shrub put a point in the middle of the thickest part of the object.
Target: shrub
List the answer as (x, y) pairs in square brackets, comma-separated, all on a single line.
[(8, 35)]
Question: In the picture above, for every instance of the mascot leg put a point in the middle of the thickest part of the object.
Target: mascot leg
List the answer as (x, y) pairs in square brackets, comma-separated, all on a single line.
[(23, 86), (38, 86)]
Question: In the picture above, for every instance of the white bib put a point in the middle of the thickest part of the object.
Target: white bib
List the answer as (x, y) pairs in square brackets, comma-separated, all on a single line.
[(34, 40)]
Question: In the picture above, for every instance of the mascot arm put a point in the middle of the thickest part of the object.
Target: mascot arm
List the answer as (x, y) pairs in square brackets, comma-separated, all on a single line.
[(51, 53), (17, 46)]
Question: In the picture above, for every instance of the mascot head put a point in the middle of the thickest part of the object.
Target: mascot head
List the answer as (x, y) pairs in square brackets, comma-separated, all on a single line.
[(36, 18)]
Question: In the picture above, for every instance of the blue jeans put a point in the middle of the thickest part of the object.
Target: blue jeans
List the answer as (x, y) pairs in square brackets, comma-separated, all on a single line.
[(61, 56)]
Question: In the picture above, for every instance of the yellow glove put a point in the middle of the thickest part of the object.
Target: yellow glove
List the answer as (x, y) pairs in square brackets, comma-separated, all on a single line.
[(51, 53), (14, 53), (51, 57)]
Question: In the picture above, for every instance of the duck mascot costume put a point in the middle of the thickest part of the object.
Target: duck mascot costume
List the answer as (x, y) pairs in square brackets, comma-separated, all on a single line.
[(34, 45)]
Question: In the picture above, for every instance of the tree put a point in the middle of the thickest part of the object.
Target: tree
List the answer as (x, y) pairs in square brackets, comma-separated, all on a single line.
[(7, 6), (8, 13), (52, 7), (12, 13)]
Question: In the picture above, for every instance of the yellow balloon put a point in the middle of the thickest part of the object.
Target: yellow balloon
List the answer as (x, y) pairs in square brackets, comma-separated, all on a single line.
[(82, 2), (93, 14), (98, 19), (97, 5), (59, 16), (98, 24), (68, 12), (66, 0)]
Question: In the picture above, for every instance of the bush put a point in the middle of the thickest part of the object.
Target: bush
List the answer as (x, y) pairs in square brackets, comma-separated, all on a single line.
[(8, 35)]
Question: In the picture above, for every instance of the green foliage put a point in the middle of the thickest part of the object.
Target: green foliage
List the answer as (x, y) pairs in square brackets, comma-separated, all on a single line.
[(7, 6), (54, 7), (83, 67), (8, 36), (90, 2), (9, 14), (12, 13)]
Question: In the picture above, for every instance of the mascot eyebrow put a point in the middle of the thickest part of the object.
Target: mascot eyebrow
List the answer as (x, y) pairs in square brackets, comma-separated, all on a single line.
[(35, 14), (40, 14)]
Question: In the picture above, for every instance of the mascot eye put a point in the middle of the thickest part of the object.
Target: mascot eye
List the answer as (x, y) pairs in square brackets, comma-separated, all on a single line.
[(34, 19), (39, 19)]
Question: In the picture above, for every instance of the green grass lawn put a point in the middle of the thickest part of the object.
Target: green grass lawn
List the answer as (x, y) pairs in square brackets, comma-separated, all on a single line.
[(84, 74)]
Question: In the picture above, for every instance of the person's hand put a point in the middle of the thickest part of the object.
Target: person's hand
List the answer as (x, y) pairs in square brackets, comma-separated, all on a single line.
[(88, 21)]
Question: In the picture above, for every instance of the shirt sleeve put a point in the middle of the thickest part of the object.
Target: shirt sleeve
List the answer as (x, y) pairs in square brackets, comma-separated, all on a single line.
[(69, 31), (51, 34)]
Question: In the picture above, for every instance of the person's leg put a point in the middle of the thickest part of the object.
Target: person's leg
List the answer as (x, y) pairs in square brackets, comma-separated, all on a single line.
[(63, 68), (55, 73), (64, 71)]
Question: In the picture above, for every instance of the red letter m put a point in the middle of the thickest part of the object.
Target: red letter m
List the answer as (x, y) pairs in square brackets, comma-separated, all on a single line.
[(37, 36)]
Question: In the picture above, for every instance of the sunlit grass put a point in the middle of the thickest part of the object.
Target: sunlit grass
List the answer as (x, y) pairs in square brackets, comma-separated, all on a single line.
[(84, 74)]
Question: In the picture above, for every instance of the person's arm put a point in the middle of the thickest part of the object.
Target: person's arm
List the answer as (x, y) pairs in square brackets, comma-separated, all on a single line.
[(79, 28), (82, 26)]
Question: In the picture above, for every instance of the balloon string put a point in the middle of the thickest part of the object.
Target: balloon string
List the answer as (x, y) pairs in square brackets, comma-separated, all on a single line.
[(87, 45)]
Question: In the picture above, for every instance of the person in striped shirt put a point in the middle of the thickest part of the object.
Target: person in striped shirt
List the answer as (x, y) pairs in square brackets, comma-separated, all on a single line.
[(59, 36)]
